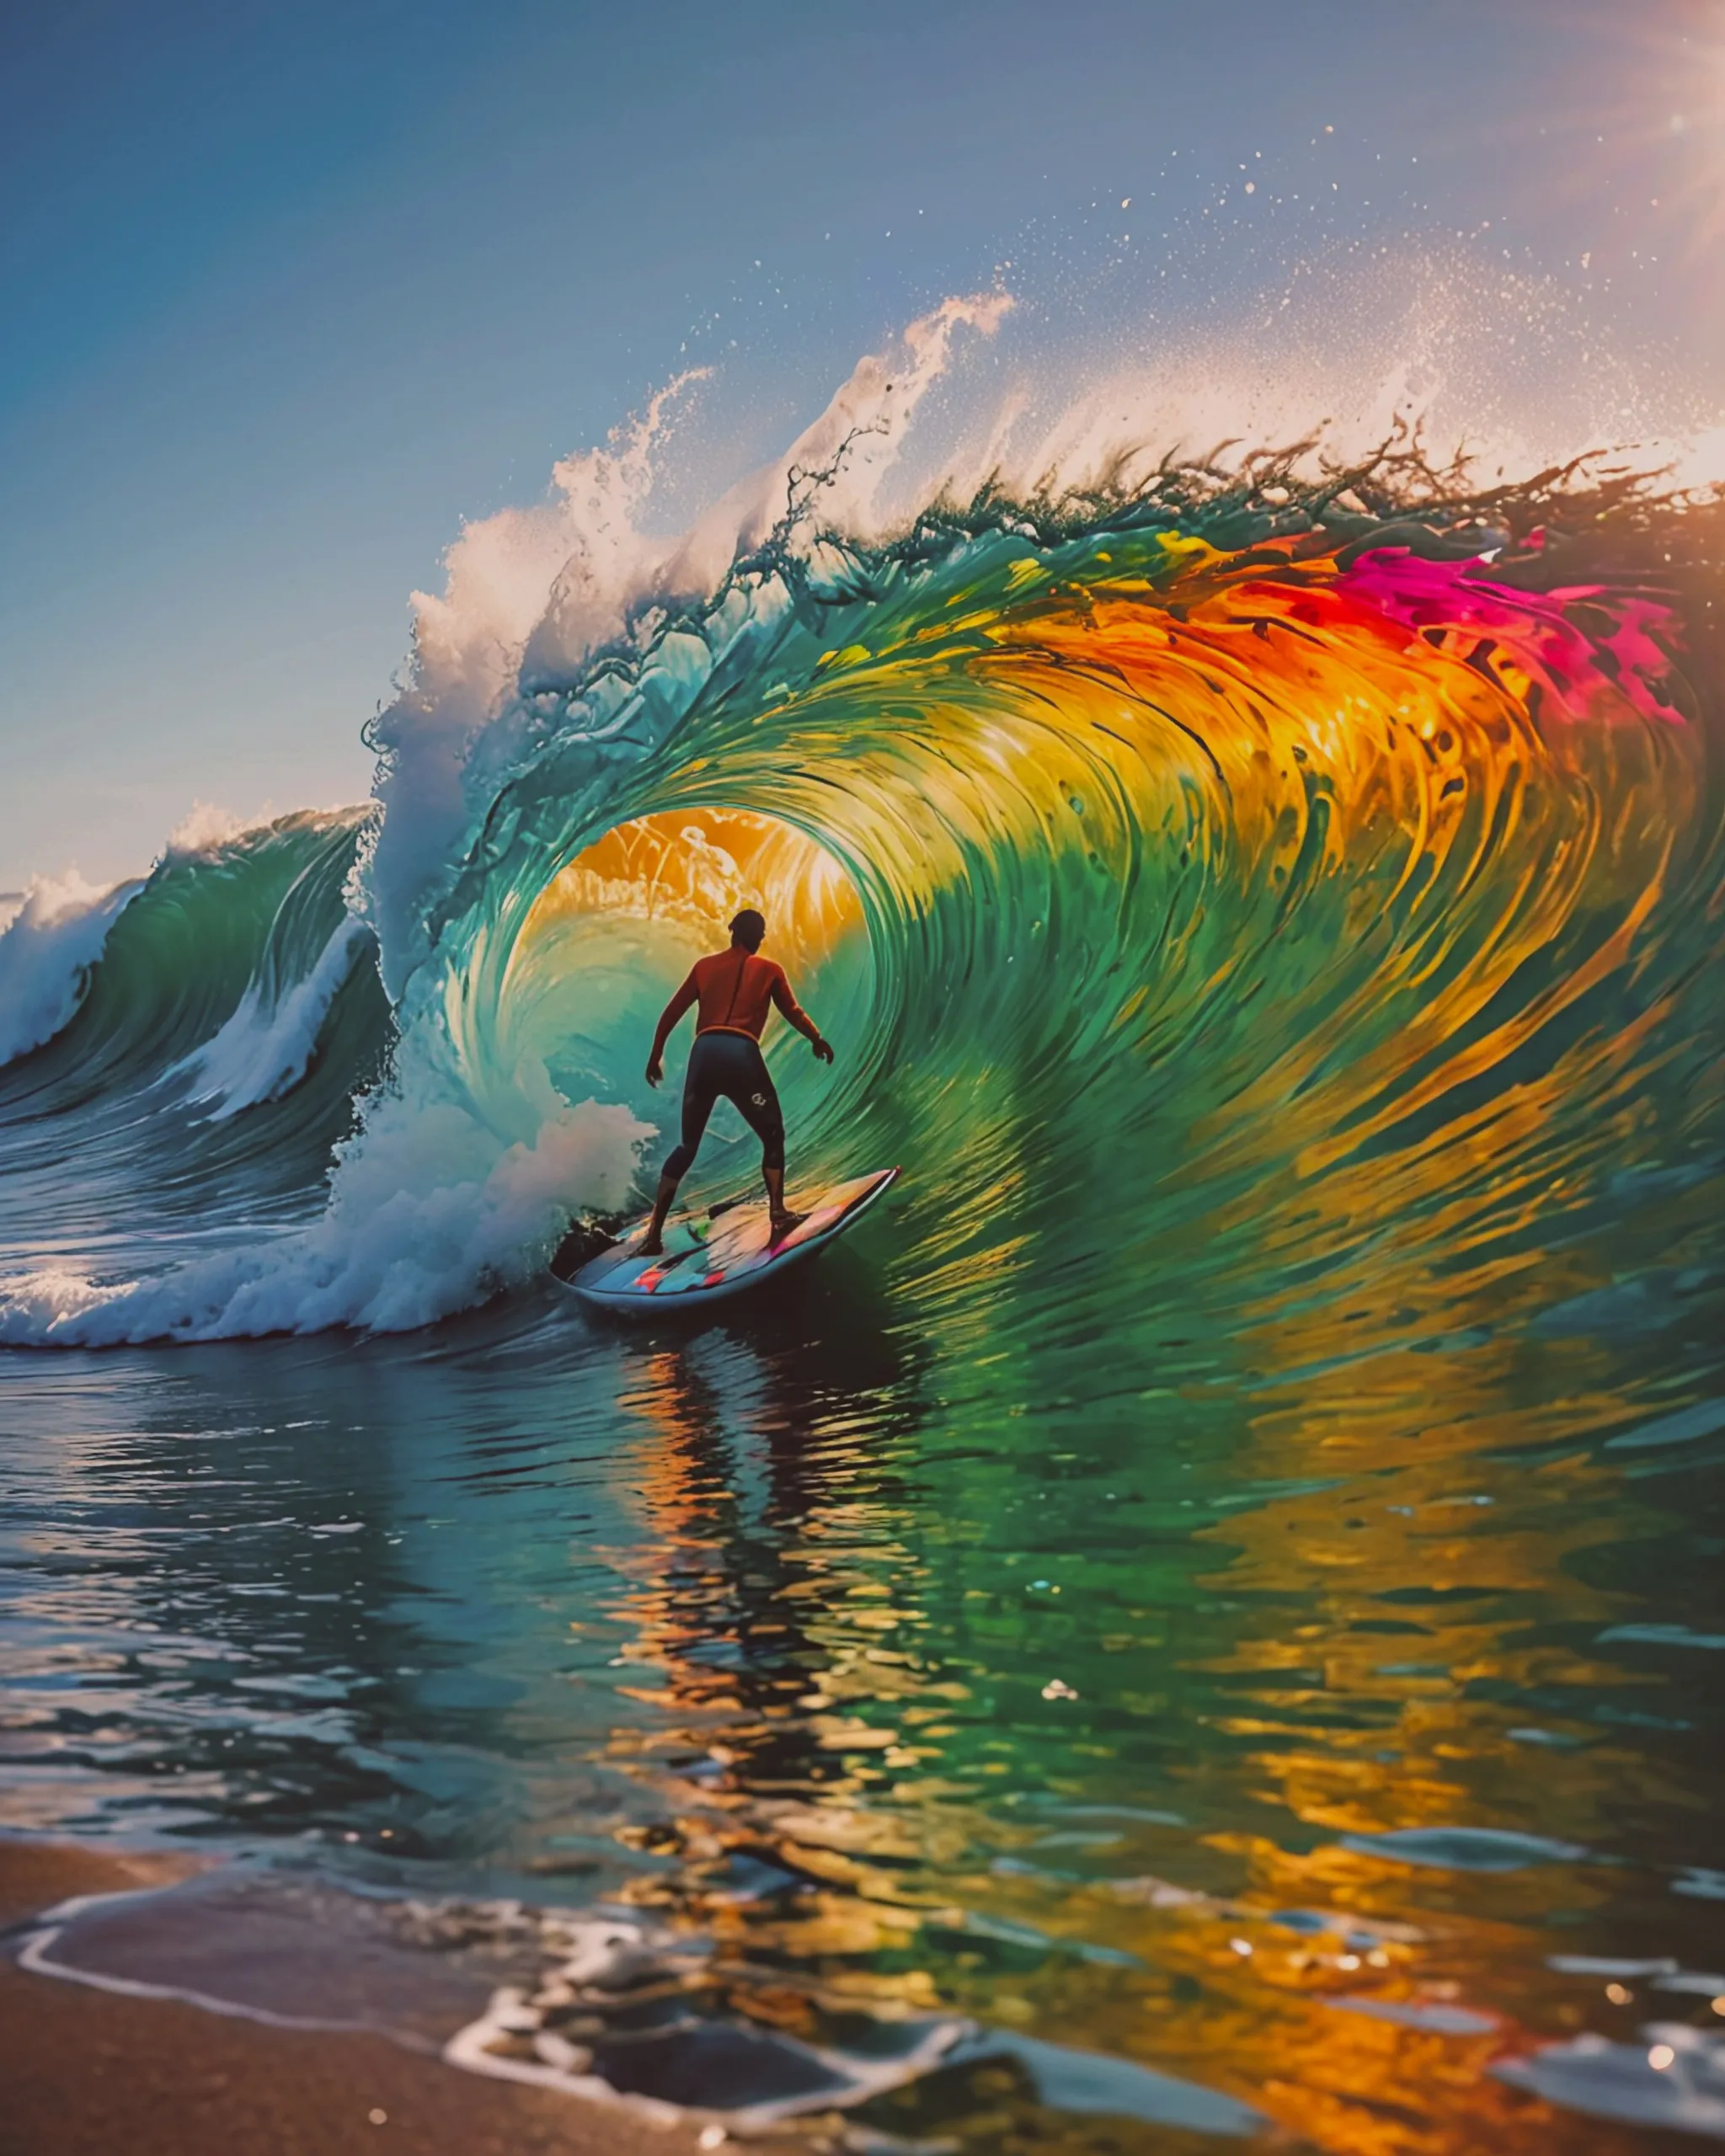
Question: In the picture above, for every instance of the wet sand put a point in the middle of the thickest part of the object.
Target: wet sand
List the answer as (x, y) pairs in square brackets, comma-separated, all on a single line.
[(86, 2073)]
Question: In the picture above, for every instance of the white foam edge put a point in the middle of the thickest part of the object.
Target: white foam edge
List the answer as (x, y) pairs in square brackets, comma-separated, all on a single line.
[(511, 2013), (36, 1957), (49, 948)]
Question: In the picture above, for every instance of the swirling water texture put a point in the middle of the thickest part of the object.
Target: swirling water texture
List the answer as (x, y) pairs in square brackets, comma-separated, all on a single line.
[(1315, 926), (1227, 893)]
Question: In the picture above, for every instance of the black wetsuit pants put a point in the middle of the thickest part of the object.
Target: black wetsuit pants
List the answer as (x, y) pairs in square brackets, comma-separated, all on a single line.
[(731, 1065)]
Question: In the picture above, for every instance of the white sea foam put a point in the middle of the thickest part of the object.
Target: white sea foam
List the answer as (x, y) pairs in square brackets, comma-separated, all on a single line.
[(264, 1049), (206, 826), (429, 1210), (54, 937)]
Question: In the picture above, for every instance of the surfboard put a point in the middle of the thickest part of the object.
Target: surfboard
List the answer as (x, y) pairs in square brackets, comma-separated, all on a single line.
[(709, 1256)]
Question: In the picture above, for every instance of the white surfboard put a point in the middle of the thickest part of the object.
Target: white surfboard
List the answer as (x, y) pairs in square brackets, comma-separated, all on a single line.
[(710, 1256)]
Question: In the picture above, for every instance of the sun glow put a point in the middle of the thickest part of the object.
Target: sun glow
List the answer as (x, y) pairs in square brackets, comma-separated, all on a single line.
[(1664, 130), (697, 868)]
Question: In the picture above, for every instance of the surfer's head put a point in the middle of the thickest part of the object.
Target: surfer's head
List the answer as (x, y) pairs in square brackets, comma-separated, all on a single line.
[(749, 929)]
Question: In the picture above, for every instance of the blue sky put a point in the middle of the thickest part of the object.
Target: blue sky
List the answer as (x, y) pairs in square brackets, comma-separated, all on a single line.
[(288, 291)]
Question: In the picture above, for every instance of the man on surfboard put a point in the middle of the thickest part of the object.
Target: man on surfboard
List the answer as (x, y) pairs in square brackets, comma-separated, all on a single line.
[(733, 989)]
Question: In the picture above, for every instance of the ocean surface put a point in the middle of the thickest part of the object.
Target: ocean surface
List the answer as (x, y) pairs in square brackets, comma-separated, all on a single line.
[(1201, 1622)]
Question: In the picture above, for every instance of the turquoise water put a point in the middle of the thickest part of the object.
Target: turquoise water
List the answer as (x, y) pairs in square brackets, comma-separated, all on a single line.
[(1204, 1613)]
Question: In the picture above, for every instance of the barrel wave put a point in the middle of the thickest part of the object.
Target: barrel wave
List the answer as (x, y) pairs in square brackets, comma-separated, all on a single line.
[(1289, 897)]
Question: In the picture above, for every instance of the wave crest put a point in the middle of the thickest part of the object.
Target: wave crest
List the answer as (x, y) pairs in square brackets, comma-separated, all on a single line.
[(1310, 868)]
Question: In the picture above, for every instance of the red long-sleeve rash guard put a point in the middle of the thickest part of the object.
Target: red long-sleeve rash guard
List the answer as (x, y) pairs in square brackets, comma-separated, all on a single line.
[(733, 989)]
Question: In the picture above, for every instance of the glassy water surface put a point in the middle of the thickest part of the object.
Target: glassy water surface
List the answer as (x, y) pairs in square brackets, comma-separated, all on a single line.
[(1308, 1740)]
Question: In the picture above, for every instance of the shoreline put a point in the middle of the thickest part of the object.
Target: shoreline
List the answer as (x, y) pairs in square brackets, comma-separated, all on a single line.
[(86, 2072)]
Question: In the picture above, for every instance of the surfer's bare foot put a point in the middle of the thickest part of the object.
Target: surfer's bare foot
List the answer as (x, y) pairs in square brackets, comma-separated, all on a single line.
[(782, 1223), (650, 1247)]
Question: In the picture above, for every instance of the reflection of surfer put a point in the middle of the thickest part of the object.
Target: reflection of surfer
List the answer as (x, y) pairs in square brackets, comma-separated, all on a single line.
[(733, 989)]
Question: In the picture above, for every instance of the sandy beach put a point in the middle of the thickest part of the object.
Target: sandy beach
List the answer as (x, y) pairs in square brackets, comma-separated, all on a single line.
[(86, 2072)]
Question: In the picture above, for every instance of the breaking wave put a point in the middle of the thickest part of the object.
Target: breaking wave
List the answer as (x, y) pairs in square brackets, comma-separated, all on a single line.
[(1310, 872)]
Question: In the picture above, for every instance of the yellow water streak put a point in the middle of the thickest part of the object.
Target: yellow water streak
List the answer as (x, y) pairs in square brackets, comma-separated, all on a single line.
[(698, 867)]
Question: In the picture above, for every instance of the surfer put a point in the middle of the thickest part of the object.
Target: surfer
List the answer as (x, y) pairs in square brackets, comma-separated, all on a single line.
[(733, 989)]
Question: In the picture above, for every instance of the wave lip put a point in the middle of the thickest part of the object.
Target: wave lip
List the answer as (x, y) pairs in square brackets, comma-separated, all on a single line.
[(264, 1049), (47, 952)]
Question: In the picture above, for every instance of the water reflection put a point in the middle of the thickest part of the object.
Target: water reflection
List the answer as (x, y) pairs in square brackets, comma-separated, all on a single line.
[(1308, 1740)]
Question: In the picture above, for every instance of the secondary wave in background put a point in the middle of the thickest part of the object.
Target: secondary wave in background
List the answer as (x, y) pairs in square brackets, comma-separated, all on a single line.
[(208, 1026)]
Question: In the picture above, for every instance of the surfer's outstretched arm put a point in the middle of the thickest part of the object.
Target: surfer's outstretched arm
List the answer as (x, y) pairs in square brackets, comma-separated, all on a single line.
[(673, 1011), (785, 998)]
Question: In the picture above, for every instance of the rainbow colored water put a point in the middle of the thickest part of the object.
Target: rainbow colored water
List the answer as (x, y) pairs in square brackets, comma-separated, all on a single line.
[(1223, 1579)]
